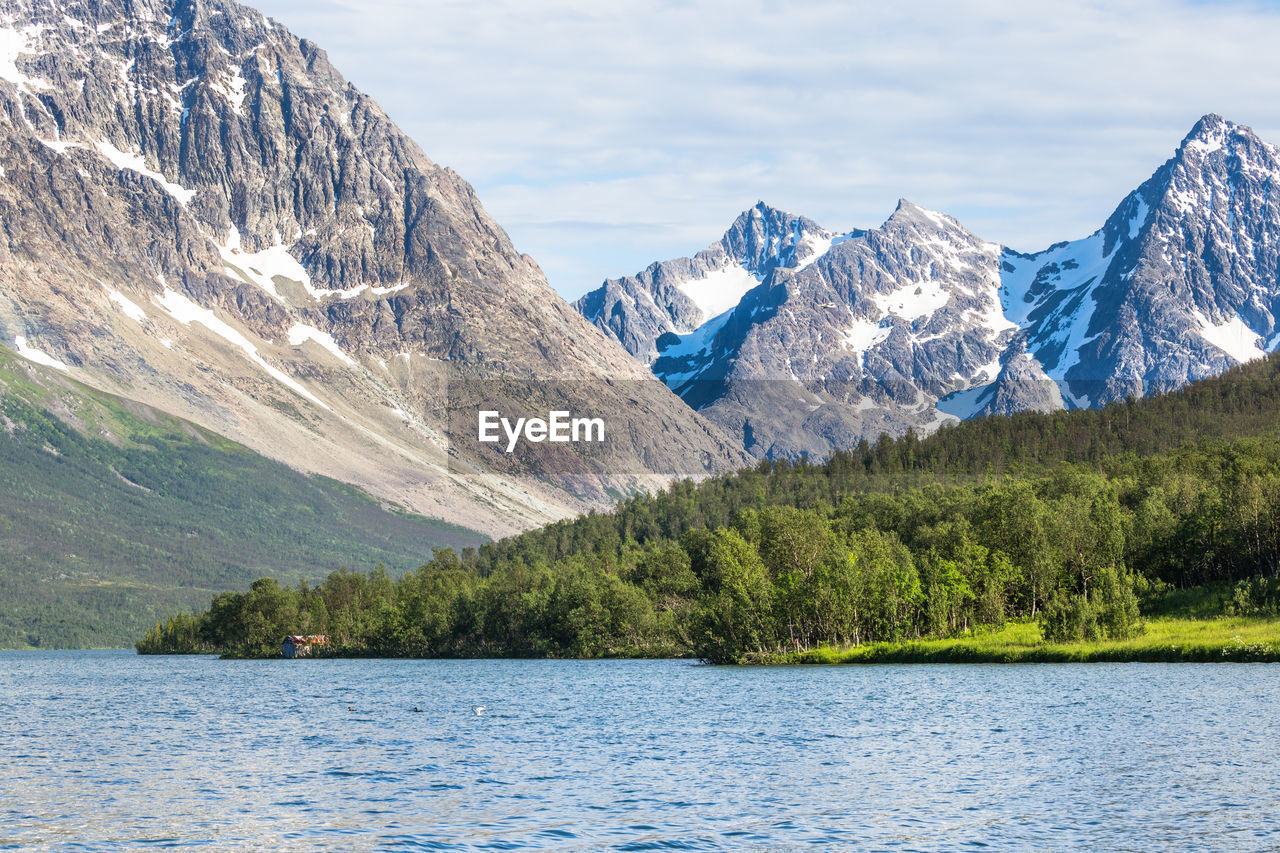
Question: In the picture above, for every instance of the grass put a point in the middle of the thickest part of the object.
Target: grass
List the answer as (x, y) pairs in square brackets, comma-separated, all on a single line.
[(1171, 640)]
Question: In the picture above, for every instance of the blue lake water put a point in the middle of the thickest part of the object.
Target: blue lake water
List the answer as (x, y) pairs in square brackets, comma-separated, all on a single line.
[(109, 751)]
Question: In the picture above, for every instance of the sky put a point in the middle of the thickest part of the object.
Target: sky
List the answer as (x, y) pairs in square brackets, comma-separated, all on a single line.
[(604, 135)]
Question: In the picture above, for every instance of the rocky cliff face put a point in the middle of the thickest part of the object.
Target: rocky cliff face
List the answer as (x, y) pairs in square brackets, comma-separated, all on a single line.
[(1179, 284), (918, 322), (199, 212)]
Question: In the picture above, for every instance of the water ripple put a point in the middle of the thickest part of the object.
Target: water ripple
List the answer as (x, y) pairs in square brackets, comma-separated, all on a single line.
[(103, 751)]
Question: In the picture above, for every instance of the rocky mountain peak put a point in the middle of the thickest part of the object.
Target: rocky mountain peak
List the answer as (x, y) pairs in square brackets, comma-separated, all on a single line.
[(1179, 284), (765, 237), (911, 220), (201, 213), (1215, 144), (1209, 129), (689, 295), (908, 211)]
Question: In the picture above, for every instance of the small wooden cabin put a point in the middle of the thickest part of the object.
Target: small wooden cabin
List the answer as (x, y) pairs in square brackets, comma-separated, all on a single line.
[(299, 646)]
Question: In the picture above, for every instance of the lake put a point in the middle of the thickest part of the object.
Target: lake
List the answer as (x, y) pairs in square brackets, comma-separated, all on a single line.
[(107, 750)]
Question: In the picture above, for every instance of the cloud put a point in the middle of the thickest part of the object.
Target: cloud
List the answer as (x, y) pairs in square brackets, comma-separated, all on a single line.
[(657, 124)]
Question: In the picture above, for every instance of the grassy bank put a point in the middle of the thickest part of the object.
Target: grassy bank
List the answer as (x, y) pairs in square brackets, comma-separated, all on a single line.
[(1160, 640)]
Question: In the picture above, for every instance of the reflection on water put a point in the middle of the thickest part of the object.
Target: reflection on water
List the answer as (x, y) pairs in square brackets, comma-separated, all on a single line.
[(103, 750)]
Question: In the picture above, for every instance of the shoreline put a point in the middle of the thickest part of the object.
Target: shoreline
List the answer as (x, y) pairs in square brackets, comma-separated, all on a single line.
[(1161, 640)]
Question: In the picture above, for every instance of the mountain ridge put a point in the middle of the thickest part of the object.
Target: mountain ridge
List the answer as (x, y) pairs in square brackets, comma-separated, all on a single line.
[(919, 322), (760, 240)]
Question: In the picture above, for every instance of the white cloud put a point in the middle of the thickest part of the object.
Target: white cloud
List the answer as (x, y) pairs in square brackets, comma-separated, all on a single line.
[(657, 125)]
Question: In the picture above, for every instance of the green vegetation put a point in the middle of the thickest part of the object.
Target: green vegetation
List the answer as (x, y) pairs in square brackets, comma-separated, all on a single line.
[(113, 514), (1050, 520), (1235, 639)]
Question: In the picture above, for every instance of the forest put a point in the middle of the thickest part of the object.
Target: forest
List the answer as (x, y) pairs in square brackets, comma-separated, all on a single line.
[(1080, 521)]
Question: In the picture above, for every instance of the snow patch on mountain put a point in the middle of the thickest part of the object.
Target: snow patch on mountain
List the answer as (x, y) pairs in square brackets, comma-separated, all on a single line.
[(1051, 294), (300, 333), (136, 163), (232, 88), (383, 291), (1232, 337), (39, 356), (186, 312), (965, 404), (697, 342), (1139, 217), (1212, 142), (914, 301), (719, 290), (817, 244), (692, 350), (261, 268), (862, 335), (127, 306), (276, 261), (14, 42)]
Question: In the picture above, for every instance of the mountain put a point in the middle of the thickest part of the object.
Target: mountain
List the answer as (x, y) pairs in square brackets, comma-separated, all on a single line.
[(1179, 283), (679, 296), (860, 338), (200, 214), (919, 322)]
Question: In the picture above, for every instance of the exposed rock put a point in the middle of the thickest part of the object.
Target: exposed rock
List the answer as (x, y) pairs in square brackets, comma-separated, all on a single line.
[(200, 213), (1179, 284), (678, 296)]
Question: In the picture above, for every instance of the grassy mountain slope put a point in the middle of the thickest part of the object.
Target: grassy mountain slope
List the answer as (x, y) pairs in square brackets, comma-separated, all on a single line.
[(113, 514)]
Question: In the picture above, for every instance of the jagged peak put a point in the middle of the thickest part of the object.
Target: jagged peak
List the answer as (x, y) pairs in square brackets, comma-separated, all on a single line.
[(1214, 133), (766, 213), (1213, 145), (908, 212), (907, 208), (763, 236), (763, 209), (1210, 126)]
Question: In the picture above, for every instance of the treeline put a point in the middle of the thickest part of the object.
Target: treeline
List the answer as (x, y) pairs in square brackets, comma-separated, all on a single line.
[(1241, 403), (1074, 547)]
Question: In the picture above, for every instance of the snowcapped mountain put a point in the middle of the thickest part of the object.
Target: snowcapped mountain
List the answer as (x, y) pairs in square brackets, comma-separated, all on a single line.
[(677, 297), (201, 214), (920, 322), (865, 339), (1179, 284)]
